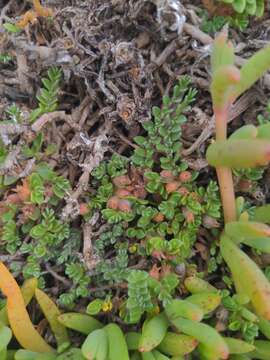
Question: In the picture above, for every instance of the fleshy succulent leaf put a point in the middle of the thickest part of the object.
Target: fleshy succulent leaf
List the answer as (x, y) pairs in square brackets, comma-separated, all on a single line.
[(222, 52), (248, 278), (239, 154), (252, 70)]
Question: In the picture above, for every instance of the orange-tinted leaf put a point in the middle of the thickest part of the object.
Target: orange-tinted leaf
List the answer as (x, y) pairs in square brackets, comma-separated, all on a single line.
[(23, 190), (19, 320), (28, 291), (40, 10)]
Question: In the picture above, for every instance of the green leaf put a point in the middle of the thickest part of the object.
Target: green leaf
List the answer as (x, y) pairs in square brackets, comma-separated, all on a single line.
[(38, 231), (239, 5), (112, 216), (238, 230), (156, 111), (5, 336), (167, 209), (60, 187), (262, 214), (222, 86), (239, 153), (31, 355), (264, 131), (252, 71), (222, 52), (71, 354), (143, 221), (244, 132), (262, 350), (9, 179), (11, 28), (94, 307), (154, 243), (37, 189), (260, 8), (260, 244), (40, 251), (247, 276), (251, 7), (140, 140)]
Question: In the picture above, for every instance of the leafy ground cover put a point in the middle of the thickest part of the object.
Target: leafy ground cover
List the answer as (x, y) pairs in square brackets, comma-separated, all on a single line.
[(111, 217)]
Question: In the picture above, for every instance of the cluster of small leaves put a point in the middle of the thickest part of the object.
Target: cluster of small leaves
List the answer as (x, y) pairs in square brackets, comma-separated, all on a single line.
[(252, 174), (48, 97), (5, 58), (239, 20), (46, 241), (9, 234), (49, 240), (45, 178), (108, 238), (264, 118), (241, 319), (116, 166), (114, 270), (77, 273), (102, 175), (145, 293), (14, 114), (180, 232), (139, 296), (47, 103), (215, 259), (251, 7), (171, 218), (214, 24), (164, 131), (164, 289)]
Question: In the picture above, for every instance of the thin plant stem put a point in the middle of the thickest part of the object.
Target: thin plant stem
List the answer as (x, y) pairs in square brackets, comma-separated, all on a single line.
[(224, 174), (225, 181)]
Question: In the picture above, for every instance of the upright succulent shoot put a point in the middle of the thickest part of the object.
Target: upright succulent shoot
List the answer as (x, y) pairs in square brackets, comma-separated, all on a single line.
[(248, 147), (228, 83)]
